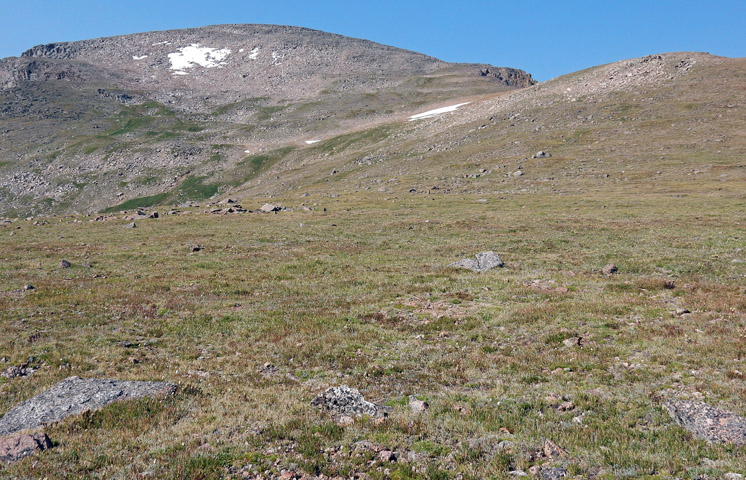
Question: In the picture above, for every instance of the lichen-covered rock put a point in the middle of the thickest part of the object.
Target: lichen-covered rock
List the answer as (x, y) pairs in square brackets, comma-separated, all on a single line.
[(344, 400), (75, 395), (707, 422), (16, 447), (481, 262)]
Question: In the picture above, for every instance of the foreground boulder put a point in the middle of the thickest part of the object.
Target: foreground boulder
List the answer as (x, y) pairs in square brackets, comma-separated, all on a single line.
[(707, 422), (75, 395), (347, 401), (480, 263), (16, 447)]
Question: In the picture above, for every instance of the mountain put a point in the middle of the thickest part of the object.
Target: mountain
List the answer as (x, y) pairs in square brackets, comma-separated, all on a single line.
[(85, 124), (258, 111)]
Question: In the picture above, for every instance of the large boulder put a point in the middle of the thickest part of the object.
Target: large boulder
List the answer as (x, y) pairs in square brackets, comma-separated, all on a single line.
[(75, 395)]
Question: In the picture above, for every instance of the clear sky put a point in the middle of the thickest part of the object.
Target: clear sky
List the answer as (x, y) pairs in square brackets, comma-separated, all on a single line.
[(545, 38)]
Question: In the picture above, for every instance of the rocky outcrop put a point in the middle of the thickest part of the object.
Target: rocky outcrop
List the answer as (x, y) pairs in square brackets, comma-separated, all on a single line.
[(75, 395), (510, 77), (64, 50)]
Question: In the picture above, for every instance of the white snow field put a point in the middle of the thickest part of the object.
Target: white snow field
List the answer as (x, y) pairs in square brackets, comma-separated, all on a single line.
[(194, 55), (437, 111)]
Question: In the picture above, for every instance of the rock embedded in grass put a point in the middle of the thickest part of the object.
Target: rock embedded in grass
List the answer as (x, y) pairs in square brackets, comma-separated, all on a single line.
[(707, 422), (609, 269), (65, 264), (19, 446), (347, 401), (417, 405), (269, 208), (76, 395), (18, 371), (480, 263)]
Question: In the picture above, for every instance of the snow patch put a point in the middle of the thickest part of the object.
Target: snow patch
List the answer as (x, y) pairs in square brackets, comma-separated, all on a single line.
[(240, 50), (195, 54), (276, 57), (437, 111), (135, 57), (247, 151), (311, 142), (162, 43), (254, 53)]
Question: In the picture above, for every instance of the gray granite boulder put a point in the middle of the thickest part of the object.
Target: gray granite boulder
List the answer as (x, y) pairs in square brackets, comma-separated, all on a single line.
[(344, 400), (480, 263), (75, 395)]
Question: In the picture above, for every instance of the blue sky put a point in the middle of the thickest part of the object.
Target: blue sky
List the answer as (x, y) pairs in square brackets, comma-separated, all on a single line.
[(545, 38)]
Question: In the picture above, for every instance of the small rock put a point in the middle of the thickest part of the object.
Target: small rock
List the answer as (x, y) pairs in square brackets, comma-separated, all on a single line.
[(16, 447), (131, 225), (573, 342), (566, 406), (416, 405), (552, 450), (553, 473), (196, 248), (65, 264), (28, 286), (682, 311), (732, 476), (269, 208), (517, 473), (480, 263), (153, 215), (19, 371), (518, 173), (609, 269), (387, 456), (541, 154)]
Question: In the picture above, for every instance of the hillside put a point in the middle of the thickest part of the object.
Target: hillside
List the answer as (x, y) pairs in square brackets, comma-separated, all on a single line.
[(86, 124), (422, 273)]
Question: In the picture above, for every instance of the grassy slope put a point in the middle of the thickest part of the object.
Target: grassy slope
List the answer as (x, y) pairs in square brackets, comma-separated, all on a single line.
[(360, 294)]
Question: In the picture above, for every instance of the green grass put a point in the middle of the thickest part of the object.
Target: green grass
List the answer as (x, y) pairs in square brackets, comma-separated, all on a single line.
[(371, 303), (142, 202)]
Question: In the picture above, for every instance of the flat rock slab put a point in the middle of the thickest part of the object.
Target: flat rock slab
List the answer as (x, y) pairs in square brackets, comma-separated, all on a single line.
[(480, 263), (76, 395), (344, 400), (16, 447), (707, 422)]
